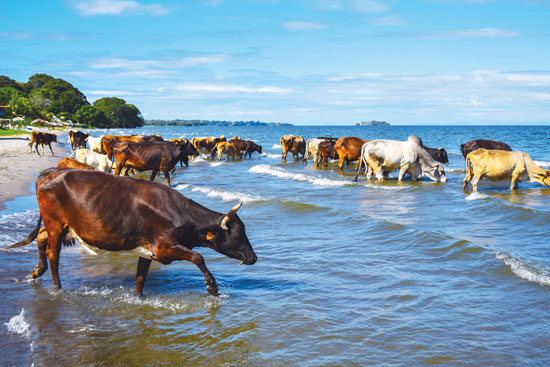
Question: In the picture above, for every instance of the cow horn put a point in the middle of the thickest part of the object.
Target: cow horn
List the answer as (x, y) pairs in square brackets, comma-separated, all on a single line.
[(236, 207), (223, 224)]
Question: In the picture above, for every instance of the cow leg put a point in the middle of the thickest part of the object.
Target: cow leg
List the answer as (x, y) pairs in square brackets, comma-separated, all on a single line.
[(514, 182), (466, 180), (42, 243), (167, 177), (475, 180), (284, 156), (403, 169), (168, 253), (141, 275), (54, 248), (153, 175), (50, 145), (30, 145)]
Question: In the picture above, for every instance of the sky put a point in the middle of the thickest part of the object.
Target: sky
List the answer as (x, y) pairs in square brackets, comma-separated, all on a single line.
[(305, 62)]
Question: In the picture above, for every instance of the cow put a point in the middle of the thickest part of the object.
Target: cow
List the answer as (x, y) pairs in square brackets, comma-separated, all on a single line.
[(112, 213), (246, 146), (312, 149), (383, 156), (189, 149), (326, 151), (77, 139), (95, 144), (293, 144), (98, 161), (483, 143), (109, 141), (228, 149), (72, 163), (38, 137), (501, 164), (348, 150), (207, 145), (438, 154), (155, 156)]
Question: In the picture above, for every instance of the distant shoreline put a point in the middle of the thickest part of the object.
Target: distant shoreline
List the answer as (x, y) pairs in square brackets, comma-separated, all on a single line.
[(179, 122)]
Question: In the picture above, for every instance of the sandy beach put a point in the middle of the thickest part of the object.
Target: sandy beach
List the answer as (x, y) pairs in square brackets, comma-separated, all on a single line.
[(19, 168)]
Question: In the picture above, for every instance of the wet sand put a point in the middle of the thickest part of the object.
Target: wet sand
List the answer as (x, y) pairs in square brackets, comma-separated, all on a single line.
[(19, 168)]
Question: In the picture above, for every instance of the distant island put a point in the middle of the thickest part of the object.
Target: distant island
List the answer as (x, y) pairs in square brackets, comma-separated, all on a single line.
[(180, 122), (372, 123)]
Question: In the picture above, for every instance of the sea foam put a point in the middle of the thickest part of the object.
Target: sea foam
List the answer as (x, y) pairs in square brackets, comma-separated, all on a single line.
[(18, 324), (525, 270), (476, 196), (542, 164), (224, 195), (281, 173)]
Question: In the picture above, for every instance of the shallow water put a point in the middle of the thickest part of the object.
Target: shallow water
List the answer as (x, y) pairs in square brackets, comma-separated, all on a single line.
[(348, 273)]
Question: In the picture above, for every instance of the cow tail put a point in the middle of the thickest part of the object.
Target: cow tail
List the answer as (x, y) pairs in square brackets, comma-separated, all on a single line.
[(31, 237), (359, 166)]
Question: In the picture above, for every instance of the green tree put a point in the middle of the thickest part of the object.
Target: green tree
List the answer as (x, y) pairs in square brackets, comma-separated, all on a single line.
[(119, 113), (6, 94), (91, 116), (22, 106), (56, 95)]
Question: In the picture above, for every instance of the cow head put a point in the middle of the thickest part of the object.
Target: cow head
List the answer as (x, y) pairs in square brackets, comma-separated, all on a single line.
[(260, 149), (231, 239), (442, 156), (436, 173), (545, 178)]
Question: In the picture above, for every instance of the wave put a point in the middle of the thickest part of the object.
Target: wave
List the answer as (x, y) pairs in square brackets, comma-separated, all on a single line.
[(524, 270), (542, 164), (269, 155), (281, 173), (276, 146), (15, 227), (224, 195), (18, 324), (476, 196), (216, 164)]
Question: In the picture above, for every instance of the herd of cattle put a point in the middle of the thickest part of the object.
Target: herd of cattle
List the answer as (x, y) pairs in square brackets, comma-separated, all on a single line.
[(161, 224), (484, 158)]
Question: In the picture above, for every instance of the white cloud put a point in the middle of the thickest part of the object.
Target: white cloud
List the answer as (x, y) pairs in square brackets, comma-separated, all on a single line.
[(109, 93), (473, 33), (303, 26), (389, 20), (15, 35), (232, 89), (370, 6), (116, 7)]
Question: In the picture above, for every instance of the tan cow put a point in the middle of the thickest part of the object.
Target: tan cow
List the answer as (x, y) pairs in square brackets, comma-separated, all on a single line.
[(293, 144), (228, 149), (499, 165), (207, 145), (68, 162)]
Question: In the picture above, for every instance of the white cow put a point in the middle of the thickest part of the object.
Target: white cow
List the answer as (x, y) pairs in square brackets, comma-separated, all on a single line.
[(99, 162), (383, 156), (95, 143), (312, 149)]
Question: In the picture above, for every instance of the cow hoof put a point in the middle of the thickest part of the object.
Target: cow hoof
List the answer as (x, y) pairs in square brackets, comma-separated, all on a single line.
[(212, 289)]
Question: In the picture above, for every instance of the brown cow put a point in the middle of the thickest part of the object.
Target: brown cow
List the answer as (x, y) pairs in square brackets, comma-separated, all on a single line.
[(326, 151), (109, 141), (72, 163), (228, 149), (293, 144), (158, 223), (77, 139), (247, 146), (483, 143), (155, 156), (189, 149), (38, 137), (348, 150), (207, 145)]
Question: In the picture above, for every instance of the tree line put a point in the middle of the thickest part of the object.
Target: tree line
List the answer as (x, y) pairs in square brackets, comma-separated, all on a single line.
[(180, 122), (44, 96)]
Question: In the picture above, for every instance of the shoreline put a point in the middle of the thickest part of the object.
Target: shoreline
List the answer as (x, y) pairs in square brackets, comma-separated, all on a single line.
[(19, 168)]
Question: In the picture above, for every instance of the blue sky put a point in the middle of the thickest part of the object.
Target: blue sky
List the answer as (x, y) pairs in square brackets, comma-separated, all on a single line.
[(307, 62)]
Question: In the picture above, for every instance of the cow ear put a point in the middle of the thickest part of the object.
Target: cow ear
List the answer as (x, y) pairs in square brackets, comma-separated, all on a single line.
[(440, 149)]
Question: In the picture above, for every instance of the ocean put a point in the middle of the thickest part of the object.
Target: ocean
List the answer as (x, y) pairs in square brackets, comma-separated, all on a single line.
[(381, 273)]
